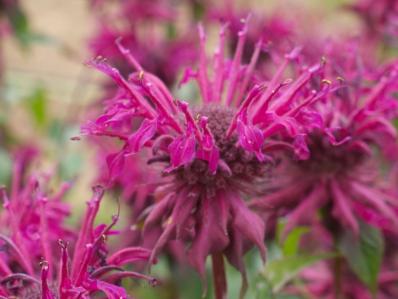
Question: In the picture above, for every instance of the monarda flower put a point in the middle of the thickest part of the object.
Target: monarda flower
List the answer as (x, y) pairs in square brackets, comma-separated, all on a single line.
[(349, 135), (147, 27), (319, 281), (276, 30), (32, 227), (214, 156), (33, 219), (380, 19)]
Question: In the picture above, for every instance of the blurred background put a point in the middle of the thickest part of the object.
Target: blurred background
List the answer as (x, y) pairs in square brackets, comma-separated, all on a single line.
[(46, 89)]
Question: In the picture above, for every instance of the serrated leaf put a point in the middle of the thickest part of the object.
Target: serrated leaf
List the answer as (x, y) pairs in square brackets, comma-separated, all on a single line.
[(291, 244), (364, 254), (280, 271)]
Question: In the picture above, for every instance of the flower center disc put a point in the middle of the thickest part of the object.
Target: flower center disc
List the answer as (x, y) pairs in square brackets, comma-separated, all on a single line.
[(245, 169)]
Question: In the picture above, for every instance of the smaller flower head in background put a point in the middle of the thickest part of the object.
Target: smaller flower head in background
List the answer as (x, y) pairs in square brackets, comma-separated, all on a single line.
[(34, 250)]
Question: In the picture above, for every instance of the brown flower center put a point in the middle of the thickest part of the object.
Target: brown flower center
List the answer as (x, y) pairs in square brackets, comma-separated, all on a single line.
[(329, 159), (245, 169)]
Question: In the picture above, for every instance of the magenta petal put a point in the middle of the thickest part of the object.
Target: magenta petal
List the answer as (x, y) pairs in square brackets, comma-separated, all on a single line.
[(300, 147), (342, 204), (210, 236), (159, 211), (305, 209), (105, 68), (145, 133), (46, 293), (129, 255), (110, 290), (115, 164), (182, 151), (251, 139), (333, 140), (377, 200), (234, 254), (248, 223)]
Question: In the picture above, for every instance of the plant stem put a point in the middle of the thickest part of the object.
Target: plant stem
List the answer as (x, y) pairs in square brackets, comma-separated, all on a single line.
[(219, 279), (338, 267)]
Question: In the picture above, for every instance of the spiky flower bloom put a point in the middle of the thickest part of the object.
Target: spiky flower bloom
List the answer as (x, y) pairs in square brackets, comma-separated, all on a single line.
[(348, 135), (132, 183), (319, 281), (213, 156), (32, 253), (380, 19), (147, 27), (276, 30), (32, 219)]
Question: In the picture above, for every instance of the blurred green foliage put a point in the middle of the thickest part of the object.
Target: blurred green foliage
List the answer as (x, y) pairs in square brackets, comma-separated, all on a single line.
[(364, 253)]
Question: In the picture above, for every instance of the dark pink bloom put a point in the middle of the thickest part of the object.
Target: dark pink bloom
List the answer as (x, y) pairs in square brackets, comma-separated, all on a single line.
[(380, 19), (32, 218), (348, 136), (319, 281), (276, 30), (32, 226), (145, 27), (213, 156), (127, 177)]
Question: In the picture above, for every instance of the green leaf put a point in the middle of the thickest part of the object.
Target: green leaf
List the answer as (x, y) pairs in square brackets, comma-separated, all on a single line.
[(263, 289), (198, 10), (5, 167), (291, 244), (37, 104), (364, 254), (280, 271), (19, 23)]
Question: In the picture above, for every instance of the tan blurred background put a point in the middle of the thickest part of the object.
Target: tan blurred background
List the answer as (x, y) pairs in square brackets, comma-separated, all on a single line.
[(58, 63)]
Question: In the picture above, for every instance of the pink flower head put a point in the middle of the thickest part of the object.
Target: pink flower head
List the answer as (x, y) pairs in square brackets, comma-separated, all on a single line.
[(126, 176), (143, 25), (319, 281), (212, 156), (33, 223), (380, 18), (348, 135), (275, 30), (33, 218)]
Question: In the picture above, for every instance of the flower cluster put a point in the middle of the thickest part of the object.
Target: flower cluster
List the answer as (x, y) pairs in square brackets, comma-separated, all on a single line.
[(348, 136), (163, 51), (34, 243), (280, 137), (216, 155), (380, 18)]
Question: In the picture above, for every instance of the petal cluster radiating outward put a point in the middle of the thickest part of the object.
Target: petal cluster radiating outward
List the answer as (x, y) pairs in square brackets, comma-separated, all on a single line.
[(215, 155), (351, 139), (34, 241)]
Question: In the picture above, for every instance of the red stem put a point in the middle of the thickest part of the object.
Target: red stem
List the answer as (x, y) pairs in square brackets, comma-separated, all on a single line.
[(219, 279)]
